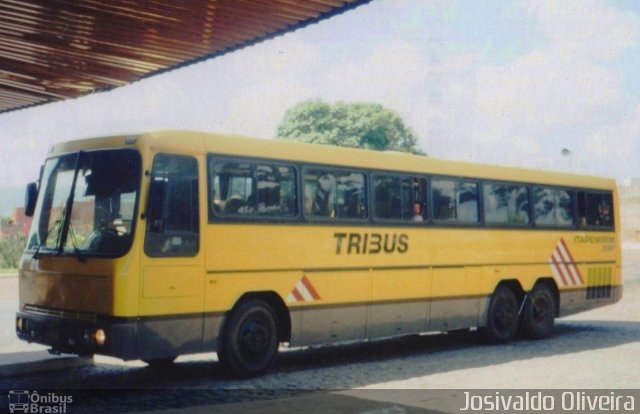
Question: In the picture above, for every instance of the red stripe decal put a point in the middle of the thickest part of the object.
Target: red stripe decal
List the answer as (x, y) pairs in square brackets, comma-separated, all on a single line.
[(557, 266), (566, 264), (573, 262), (310, 288), (297, 295)]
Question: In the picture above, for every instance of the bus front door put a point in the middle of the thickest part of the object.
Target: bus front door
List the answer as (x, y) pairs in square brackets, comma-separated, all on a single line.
[(172, 278)]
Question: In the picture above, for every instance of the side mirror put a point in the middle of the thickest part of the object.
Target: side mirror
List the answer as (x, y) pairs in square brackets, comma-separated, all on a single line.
[(31, 196)]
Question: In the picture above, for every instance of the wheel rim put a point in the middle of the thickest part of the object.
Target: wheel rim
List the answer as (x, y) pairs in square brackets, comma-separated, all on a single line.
[(541, 310), (505, 315), (255, 339)]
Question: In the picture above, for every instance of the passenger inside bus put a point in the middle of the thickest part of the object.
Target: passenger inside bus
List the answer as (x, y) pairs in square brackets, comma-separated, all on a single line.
[(324, 195), (604, 215), (417, 212)]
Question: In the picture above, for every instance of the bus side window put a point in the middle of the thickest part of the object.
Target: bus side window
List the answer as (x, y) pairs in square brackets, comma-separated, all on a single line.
[(595, 209), (443, 195), (455, 200), (399, 198), (506, 204), (553, 207), (244, 189), (172, 212), (335, 194)]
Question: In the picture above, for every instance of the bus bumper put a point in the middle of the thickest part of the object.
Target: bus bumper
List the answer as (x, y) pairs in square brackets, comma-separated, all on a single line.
[(109, 336)]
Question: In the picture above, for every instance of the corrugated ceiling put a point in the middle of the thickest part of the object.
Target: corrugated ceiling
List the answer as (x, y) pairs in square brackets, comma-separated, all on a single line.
[(52, 50)]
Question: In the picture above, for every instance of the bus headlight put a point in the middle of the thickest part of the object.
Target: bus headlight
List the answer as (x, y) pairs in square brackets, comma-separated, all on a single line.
[(100, 337), (19, 324)]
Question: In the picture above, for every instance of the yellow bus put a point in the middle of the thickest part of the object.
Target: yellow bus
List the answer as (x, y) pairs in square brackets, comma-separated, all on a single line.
[(155, 245)]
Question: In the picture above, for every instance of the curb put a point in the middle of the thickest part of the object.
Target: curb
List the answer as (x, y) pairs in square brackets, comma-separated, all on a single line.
[(21, 363)]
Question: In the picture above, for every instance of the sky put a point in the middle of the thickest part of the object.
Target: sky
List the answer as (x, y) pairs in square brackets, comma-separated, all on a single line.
[(508, 83)]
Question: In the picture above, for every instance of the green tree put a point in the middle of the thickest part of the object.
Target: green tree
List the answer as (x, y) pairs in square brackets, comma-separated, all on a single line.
[(11, 248), (358, 125)]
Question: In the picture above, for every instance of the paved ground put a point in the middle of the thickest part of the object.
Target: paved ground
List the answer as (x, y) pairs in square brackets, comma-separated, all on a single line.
[(592, 350)]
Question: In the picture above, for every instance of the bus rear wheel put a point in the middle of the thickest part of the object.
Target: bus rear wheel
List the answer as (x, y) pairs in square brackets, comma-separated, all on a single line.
[(538, 313), (249, 342), (502, 316)]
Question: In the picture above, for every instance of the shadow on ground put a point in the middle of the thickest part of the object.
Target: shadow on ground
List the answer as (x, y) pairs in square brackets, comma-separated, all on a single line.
[(402, 358), (300, 372)]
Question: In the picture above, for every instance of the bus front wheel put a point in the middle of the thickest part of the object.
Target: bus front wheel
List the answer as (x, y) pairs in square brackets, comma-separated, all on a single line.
[(502, 316), (249, 342), (538, 313)]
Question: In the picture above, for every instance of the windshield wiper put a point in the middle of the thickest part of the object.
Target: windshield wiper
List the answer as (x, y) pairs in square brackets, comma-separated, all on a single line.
[(64, 232), (36, 254)]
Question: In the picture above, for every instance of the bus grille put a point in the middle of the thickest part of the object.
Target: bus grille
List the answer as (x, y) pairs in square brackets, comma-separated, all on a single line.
[(58, 313)]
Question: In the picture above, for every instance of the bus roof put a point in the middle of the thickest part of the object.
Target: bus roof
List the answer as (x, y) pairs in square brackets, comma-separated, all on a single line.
[(234, 145)]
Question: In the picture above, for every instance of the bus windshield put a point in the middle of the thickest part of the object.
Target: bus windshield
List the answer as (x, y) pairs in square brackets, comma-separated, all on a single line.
[(86, 204)]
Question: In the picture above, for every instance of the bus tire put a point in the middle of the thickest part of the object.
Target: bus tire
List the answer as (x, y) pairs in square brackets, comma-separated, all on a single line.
[(249, 341), (502, 316), (538, 313)]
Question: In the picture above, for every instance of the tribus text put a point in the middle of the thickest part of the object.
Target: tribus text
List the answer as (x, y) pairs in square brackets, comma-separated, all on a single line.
[(371, 243)]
